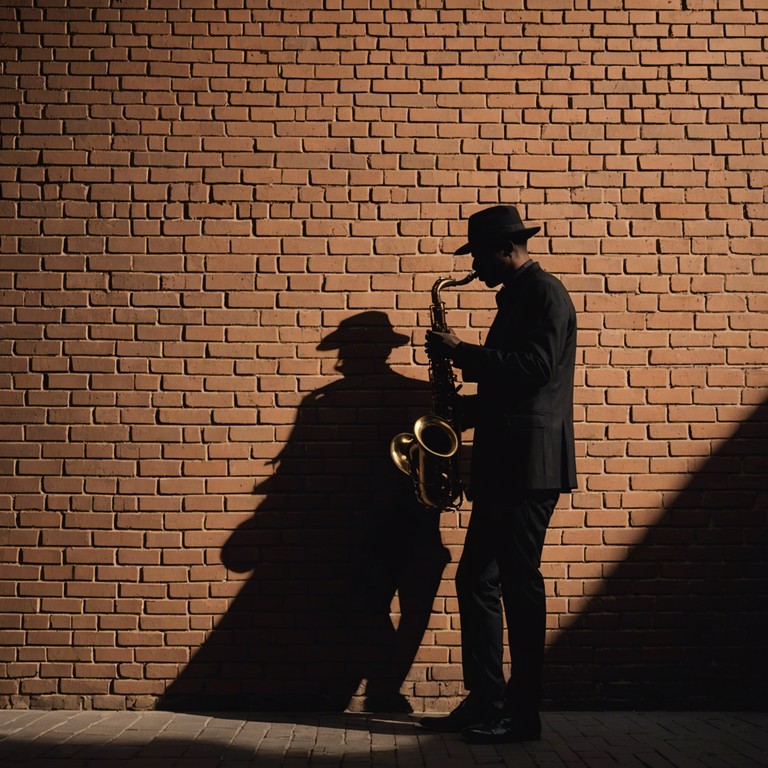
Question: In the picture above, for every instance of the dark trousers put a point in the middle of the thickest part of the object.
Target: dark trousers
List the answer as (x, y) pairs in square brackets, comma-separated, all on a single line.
[(500, 566)]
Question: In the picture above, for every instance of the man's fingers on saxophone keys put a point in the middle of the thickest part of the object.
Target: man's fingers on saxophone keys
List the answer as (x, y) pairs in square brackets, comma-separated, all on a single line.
[(434, 344), (437, 341)]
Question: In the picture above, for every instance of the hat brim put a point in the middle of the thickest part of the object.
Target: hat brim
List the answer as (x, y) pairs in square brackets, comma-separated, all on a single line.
[(517, 234), (368, 336)]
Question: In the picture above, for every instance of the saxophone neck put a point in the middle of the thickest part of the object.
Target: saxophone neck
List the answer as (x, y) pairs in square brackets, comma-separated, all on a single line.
[(449, 282), (467, 279)]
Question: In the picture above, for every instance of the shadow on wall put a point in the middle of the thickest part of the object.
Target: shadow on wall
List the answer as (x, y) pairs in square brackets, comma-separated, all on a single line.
[(338, 534), (683, 622)]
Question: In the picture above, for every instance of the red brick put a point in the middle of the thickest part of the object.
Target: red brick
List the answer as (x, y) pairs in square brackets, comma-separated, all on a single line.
[(167, 287)]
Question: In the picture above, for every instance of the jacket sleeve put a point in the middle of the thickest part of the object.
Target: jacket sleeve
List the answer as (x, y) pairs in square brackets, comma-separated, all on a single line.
[(467, 411), (531, 352)]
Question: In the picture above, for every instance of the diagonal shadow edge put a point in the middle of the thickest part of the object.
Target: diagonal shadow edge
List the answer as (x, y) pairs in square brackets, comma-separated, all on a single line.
[(681, 623)]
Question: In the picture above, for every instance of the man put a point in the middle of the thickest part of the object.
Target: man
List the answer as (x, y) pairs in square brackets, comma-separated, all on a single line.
[(523, 458)]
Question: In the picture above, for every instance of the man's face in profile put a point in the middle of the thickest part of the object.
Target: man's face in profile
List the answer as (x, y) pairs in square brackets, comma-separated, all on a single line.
[(492, 263)]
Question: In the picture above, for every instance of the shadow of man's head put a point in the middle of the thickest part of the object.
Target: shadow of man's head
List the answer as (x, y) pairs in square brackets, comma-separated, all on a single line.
[(364, 342)]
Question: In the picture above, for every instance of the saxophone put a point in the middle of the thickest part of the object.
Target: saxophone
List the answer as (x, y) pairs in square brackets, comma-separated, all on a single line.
[(430, 454)]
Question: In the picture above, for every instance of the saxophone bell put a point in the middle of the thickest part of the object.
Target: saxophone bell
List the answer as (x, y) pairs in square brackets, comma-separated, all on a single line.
[(426, 455), (431, 434)]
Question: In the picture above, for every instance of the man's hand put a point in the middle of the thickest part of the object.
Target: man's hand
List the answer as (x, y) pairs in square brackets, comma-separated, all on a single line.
[(439, 343)]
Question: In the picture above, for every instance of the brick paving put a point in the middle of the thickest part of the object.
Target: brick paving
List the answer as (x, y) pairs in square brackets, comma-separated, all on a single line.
[(69, 739)]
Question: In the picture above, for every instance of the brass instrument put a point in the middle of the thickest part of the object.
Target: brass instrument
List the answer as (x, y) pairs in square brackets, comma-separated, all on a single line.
[(430, 454)]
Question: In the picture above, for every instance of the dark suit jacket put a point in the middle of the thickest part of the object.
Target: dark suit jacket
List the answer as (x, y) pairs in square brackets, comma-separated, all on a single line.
[(523, 410)]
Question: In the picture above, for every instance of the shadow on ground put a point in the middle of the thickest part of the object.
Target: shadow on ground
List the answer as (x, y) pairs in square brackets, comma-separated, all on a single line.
[(215, 740)]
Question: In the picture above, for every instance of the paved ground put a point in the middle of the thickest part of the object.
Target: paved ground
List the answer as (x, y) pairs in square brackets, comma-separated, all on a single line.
[(570, 740)]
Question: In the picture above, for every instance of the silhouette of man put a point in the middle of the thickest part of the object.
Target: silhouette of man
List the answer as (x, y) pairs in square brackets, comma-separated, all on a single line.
[(336, 536), (523, 458), (401, 548)]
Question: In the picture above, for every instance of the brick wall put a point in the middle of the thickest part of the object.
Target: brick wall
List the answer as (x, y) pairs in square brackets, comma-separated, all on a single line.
[(197, 503)]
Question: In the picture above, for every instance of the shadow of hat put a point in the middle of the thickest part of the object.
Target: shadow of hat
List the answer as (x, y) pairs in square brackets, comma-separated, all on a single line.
[(371, 328)]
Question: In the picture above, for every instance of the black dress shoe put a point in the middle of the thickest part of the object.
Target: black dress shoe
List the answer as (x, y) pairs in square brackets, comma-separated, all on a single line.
[(466, 714), (504, 730)]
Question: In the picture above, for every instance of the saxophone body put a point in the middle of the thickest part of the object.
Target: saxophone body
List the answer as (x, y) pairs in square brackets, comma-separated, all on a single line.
[(430, 454)]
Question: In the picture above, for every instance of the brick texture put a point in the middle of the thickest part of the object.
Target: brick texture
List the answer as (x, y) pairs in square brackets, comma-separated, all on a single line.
[(197, 502)]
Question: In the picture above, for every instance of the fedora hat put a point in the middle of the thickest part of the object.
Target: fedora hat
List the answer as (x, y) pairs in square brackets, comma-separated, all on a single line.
[(369, 328), (487, 227)]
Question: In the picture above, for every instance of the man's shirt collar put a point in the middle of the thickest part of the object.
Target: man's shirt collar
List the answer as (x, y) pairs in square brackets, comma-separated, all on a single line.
[(510, 282)]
